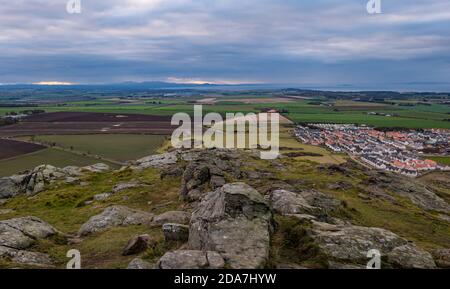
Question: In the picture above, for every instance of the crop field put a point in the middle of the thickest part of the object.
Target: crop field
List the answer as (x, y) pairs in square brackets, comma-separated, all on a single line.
[(88, 123), (13, 148), (49, 156), (433, 115), (115, 147)]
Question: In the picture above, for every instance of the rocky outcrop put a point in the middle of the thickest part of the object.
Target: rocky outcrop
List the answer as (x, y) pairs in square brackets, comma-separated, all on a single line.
[(156, 161), (191, 259), (409, 256), (287, 203), (350, 244), (179, 217), (235, 221), (207, 169), (25, 257), (115, 216), (175, 232), (40, 177), (18, 234), (420, 195), (139, 264), (442, 258), (136, 245)]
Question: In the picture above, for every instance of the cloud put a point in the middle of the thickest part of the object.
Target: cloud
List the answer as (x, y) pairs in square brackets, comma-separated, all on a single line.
[(326, 41)]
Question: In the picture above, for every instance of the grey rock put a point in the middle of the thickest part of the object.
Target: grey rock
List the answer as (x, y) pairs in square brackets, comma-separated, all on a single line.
[(216, 181), (102, 196), (410, 257), (124, 186), (320, 200), (350, 244), (20, 233), (37, 180), (179, 217), (156, 161), (25, 257), (115, 216), (191, 259), (97, 168), (175, 232), (286, 203), (442, 258), (136, 245), (139, 264), (72, 180), (235, 221)]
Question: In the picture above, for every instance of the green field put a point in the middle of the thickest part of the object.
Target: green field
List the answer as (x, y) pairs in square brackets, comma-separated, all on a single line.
[(114, 147), (48, 156), (440, 160), (417, 116)]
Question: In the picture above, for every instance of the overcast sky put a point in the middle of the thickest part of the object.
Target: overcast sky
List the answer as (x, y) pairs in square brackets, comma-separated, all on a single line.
[(307, 42)]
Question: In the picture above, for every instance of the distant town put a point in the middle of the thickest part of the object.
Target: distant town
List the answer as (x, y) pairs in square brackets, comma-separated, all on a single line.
[(402, 152)]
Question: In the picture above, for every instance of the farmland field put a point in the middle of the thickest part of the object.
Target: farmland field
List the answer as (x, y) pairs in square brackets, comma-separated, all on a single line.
[(115, 147), (12, 148), (434, 115), (49, 156), (61, 123)]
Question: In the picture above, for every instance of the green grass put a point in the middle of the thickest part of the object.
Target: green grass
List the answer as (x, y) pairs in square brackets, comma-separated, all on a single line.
[(419, 116), (63, 206), (49, 156), (115, 147), (444, 160)]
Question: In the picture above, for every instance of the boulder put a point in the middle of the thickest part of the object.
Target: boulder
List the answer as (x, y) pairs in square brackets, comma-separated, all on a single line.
[(36, 180), (286, 203), (409, 256), (179, 217), (136, 245), (156, 161), (349, 244), (442, 258), (97, 168), (102, 196), (139, 264), (20, 233), (191, 259), (11, 186), (25, 257), (115, 216), (195, 177), (124, 186), (320, 200), (175, 232), (235, 221)]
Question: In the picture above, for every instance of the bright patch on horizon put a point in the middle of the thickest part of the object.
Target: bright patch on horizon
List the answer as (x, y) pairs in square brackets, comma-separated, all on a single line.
[(204, 81), (52, 83)]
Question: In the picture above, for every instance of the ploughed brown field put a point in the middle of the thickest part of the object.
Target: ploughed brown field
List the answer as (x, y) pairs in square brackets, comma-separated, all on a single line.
[(13, 148), (89, 123)]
